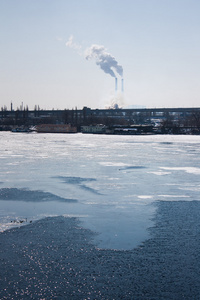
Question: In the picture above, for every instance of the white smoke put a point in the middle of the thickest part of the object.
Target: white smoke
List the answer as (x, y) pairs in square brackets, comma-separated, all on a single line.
[(104, 59), (107, 63), (70, 43), (113, 100)]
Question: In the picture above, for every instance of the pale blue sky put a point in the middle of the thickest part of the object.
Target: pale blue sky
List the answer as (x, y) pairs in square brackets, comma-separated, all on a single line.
[(156, 41)]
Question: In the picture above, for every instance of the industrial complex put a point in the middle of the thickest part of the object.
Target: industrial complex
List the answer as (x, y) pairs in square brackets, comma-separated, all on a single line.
[(107, 121)]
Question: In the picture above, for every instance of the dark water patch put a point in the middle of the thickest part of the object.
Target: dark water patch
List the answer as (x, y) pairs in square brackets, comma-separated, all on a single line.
[(80, 182), (75, 180), (166, 143), (26, 195), (54, 259), (89, 189), (133, 168)]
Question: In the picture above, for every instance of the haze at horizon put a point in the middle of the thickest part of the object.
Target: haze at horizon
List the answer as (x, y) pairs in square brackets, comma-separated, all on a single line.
[(156, 42)]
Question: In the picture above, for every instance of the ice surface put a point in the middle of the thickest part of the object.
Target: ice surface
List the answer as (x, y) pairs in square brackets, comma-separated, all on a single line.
[(116, 180), (192, 170)]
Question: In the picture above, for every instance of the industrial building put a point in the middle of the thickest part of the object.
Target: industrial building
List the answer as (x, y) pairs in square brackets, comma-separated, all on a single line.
[(184, 118)]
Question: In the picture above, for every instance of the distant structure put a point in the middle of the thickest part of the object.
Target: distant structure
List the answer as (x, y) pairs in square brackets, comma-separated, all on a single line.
[(56, 128), (116, 84), (122, 85), (172, 120)]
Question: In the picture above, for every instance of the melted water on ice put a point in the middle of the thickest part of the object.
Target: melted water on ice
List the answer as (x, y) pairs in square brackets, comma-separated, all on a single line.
[(110, 182)]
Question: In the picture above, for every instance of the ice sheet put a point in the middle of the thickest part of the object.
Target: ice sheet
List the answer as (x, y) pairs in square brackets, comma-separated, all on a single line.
[(111, 182)]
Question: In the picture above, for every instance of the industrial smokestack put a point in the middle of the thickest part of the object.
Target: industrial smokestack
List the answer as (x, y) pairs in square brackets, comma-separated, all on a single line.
[(115, 84), (122, 85)]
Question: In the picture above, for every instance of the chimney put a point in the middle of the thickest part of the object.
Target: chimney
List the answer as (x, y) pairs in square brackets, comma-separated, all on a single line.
[(115, 84), (122, 85)]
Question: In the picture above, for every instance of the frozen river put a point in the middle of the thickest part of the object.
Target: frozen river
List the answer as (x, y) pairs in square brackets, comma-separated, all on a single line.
[(111, 183)]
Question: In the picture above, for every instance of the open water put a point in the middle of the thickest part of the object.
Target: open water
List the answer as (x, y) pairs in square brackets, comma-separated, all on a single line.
[(111, 183)]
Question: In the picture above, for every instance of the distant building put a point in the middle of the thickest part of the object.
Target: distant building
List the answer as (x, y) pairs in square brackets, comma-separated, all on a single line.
[(56, 128), (99, 128)]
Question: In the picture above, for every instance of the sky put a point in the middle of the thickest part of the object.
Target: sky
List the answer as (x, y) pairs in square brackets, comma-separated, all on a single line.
[(44, 46)]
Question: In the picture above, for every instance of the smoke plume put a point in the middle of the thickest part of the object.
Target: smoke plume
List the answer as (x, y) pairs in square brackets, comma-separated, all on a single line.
[(104, 59), (99, 53), (113, 100), (70, 43)]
